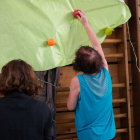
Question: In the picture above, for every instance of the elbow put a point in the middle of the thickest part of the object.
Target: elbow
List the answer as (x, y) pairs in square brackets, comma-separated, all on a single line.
[(70, 108)]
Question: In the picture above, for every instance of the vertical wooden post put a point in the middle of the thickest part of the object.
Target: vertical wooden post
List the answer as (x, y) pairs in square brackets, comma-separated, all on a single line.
[(134, 33), (123, 77)]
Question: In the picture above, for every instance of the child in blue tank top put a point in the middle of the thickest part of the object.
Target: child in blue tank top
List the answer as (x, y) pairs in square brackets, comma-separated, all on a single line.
[(91, 93)]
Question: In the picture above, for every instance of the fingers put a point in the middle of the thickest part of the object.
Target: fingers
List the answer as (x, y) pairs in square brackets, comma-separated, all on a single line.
[(79, 17), (81, 13)]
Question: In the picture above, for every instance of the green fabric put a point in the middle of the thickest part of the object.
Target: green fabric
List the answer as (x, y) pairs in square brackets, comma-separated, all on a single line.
[(26, 25)]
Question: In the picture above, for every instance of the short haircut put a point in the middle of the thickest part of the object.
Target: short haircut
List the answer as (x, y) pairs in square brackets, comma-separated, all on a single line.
[(87, 60), (17, 75)]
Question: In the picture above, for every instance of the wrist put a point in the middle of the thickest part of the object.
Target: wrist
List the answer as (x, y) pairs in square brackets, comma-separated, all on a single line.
[(86, 25)]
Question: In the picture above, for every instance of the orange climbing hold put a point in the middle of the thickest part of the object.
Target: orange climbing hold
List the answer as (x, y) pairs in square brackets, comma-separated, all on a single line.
[(51, 42)]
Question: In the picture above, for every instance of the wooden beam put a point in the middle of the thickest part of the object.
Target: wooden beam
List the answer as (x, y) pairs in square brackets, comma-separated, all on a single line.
[(70, 117), (66, 128), (123, 100), (112, 41), (114, 55), (123, 77), (74, 136), (63, 89), (62, 103), (134, 33)]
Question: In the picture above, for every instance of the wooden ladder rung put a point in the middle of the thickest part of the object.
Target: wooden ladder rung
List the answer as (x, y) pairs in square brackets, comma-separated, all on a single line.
[(66, 136), (61, 109), (116, 55), (120, 115), (122, 130), (63, 103), (112, 41), (63, 89), (123, 100), (118, 85), (70, 117), (74, 136)]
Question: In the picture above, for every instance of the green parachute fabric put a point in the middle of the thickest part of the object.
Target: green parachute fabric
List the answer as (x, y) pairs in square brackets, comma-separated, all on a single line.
[(26, 26)]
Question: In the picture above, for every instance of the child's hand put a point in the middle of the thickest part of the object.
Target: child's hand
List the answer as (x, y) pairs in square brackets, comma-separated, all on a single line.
[(83, 19)]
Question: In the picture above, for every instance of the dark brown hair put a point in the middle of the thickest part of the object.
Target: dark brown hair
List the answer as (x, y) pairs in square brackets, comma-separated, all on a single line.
[(87, 60), (17, 75)]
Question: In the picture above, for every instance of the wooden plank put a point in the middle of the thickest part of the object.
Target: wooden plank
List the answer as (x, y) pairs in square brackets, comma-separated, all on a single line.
[(119, 85), (112, 41), (129, 50), (134, 32), (70, 128), (123, 76), (109, 49), (70, 117), (66, 136), (114, 55), (62, 100), (74, 136), (131, 95), (123, 100), (66, 78), (130, 73)]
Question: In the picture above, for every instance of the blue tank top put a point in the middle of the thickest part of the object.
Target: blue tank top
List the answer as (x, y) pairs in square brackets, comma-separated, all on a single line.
[(94, 118)]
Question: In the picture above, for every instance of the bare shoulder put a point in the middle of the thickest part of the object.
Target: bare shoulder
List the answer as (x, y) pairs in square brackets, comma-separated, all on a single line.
[(75, 81), (74, 85)]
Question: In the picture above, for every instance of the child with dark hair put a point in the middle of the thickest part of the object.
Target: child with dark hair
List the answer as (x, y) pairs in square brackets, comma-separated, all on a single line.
[(21, 117), (91, 92)]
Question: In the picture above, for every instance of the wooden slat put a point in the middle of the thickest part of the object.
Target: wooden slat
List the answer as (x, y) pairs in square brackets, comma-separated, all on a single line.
[(70, 117), (123, 77), (114, 55), (62, 100), (62, 89), (120, 115), (112, 41), (70, 128), (61, 109), (118, 85), (123, 130), (66, 128), (74, 136), (135, 32), (123, 100), (66, 78), (66, 136)]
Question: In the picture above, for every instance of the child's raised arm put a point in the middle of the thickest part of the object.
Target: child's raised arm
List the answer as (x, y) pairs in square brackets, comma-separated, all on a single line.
[(92, 36)]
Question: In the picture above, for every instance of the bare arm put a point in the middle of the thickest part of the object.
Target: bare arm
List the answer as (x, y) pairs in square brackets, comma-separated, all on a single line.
[(92, 37), (74, 94)]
